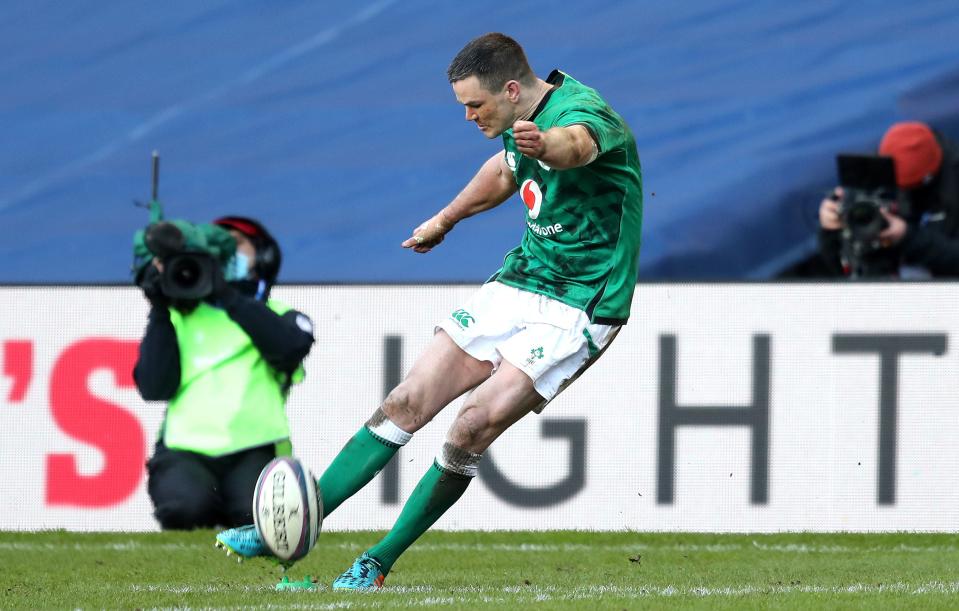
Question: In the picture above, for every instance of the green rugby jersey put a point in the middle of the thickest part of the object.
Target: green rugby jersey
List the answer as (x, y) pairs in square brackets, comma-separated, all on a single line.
[(582, 224)]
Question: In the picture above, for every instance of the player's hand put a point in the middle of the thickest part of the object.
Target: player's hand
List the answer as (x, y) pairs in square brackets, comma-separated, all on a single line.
[(530, 141), (429, 234), (895, 232), (829, 211)]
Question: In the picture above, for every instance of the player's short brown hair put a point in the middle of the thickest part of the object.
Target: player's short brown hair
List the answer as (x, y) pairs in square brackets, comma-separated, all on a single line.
[(494, 59)]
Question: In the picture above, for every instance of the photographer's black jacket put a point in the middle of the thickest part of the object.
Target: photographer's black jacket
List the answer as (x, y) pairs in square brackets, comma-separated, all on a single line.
[(932, 238), (280, 339)]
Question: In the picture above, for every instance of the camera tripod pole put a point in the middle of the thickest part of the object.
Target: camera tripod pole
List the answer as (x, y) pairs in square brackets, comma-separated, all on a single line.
[(156, 212), (156, 175)]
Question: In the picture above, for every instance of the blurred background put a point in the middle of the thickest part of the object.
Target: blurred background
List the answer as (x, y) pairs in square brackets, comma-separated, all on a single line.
[(335, 125)]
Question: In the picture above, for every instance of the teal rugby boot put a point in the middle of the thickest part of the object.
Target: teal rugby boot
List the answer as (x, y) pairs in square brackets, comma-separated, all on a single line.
[(365, 575), (243, 541)]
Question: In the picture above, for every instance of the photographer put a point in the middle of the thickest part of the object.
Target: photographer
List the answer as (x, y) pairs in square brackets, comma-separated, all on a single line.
[(224, 356), (920, 237)]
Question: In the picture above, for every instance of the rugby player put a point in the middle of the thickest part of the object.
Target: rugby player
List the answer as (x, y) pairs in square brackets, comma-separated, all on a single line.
[(546, 315)]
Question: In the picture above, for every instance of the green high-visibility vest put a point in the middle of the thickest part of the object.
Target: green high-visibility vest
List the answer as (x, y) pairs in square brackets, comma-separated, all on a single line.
[(229, 399)]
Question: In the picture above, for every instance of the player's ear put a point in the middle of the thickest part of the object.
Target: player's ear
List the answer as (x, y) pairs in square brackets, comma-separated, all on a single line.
[(512, 91)]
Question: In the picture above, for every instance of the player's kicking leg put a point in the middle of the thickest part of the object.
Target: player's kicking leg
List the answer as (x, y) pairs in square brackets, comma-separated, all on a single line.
[(441, 374), (492, 408), (539, 346)]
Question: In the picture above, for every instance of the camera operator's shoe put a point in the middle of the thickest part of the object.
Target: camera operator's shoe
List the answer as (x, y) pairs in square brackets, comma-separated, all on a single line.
[(243, 541), (365, 575)]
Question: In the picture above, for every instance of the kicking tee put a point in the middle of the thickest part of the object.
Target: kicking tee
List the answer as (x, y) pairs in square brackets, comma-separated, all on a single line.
[(582, 224)]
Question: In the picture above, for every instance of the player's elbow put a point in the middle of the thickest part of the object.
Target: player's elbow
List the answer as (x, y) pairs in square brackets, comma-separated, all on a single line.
[(586, 150), (575, 151), (583, 148)]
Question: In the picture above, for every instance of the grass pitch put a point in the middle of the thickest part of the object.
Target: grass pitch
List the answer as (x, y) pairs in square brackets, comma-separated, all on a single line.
[(477, 570)]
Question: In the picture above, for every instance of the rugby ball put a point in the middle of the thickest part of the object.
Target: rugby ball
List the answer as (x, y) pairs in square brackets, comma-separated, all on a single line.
[(287, 511)]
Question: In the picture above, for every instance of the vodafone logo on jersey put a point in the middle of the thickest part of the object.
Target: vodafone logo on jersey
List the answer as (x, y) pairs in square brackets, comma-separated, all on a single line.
[(532, 197)]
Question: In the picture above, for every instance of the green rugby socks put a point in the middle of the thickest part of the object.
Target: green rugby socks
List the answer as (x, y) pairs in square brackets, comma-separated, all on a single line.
[(443, 485), (360, 460)]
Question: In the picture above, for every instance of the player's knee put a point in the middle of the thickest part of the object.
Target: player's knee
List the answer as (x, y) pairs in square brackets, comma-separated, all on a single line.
[(185, 513), (475, 426), (398, 405), (403, 407), (239, 513)]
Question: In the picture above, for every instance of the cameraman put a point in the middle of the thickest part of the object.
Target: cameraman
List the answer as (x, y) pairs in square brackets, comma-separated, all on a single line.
[(225, 365), (922, 239)]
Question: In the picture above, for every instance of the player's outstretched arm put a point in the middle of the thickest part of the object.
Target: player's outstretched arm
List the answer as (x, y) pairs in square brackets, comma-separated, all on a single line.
[(490, 187), (560, 148)]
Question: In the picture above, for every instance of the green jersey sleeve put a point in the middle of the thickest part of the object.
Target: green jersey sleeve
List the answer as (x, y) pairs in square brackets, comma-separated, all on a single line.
[(606, 128)]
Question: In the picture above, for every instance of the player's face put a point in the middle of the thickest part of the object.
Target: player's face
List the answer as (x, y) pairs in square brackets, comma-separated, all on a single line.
[(492, 112)]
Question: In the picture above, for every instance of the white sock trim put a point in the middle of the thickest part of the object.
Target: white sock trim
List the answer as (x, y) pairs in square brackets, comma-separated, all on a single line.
[(458, 460), (387, 430)]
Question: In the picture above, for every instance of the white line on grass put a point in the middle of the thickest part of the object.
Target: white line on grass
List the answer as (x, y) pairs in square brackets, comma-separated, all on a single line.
[(680, 547), (791, 548), (119, 546)]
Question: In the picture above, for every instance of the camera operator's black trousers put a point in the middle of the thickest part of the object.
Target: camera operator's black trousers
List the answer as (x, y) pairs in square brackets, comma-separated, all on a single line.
[(191, 490)]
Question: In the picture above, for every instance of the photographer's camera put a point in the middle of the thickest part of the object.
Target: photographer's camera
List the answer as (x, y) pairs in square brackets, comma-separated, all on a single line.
[(868, 192), (179, 263), (186, 274), (862, 220)]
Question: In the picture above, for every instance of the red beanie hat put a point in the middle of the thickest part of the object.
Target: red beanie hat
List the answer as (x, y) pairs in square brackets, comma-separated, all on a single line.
[(914, 150)]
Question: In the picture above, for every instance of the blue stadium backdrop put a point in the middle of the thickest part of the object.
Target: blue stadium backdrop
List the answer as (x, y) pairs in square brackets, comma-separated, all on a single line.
[(334, 123)]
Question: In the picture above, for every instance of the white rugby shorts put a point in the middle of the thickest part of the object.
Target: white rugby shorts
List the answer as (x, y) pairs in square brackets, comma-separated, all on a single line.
[(548, 340)]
